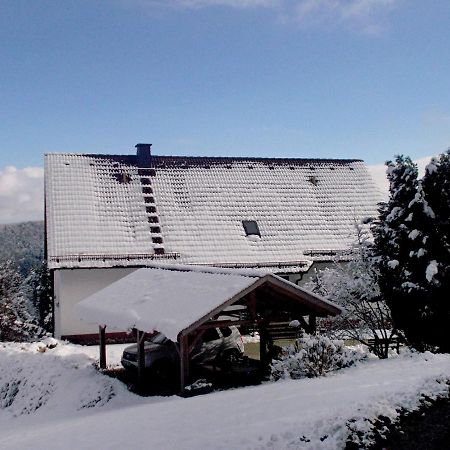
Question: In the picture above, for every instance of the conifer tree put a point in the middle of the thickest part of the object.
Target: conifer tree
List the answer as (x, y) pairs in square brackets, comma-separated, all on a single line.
[(17, 318), (40, 285), (407, 238), (394, 246), (436, 187)]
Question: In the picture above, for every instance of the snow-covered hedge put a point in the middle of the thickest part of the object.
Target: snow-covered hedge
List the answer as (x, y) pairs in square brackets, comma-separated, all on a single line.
[(53, 376), (314, 356)]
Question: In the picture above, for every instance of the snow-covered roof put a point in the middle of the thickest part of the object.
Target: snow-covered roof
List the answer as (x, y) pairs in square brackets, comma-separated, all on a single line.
[(170, 301), (89, 211), (104, 210)]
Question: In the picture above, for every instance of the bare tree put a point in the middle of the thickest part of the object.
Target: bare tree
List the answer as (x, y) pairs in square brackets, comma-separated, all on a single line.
[(354, 286)]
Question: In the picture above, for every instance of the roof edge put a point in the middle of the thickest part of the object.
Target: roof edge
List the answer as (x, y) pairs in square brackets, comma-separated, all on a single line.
[(201, 158)]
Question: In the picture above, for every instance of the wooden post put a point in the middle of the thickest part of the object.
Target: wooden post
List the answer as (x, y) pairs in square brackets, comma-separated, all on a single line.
[(312, 324), (251, 305), (184, 363), (140, 358), (102, 341), (263, 340)]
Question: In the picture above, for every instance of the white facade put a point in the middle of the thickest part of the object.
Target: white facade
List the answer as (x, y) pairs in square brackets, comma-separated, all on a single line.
[(74, 285)]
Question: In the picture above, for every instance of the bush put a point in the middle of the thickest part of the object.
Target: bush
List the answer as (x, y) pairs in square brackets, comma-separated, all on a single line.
[(314, 356), (354, 286)]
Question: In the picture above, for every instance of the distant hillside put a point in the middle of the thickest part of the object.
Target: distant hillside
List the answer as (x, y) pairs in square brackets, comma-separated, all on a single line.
[(23, 243)]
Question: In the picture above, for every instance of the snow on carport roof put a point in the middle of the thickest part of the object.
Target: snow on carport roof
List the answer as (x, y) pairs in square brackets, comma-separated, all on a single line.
[(164, 300), (169, 301)]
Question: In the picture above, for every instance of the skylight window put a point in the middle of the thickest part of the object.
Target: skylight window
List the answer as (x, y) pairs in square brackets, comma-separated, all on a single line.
[(251, 228)]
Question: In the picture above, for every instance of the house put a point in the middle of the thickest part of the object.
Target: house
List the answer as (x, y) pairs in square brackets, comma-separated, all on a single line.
[(107, 215)]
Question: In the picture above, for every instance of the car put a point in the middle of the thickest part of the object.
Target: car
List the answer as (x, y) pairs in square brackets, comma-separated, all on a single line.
[(218, 346)]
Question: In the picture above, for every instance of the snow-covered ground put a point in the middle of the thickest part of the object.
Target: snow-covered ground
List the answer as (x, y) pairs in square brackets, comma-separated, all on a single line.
[(113, 352), (56, 400)]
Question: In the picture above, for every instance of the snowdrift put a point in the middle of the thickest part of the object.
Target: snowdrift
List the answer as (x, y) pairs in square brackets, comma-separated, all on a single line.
[(51, 378)]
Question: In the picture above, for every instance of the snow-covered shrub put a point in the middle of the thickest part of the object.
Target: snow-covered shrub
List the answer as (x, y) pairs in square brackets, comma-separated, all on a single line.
[(51, 377), (314, 356)]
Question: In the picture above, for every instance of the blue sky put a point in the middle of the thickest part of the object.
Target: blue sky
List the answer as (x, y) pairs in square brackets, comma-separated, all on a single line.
[(296, 78)]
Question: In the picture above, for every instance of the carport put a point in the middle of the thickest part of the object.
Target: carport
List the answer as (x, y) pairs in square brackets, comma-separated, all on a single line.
[(182, 303)]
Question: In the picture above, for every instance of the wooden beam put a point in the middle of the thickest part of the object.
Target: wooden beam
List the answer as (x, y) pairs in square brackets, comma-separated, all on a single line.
[(224, 305), (197, 336), (140, 358), (237, 314), (102, 342), (224, 323), (314, 302), (184, 363)]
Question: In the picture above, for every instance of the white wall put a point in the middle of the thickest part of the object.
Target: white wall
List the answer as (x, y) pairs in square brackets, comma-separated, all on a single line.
[(74, 285)]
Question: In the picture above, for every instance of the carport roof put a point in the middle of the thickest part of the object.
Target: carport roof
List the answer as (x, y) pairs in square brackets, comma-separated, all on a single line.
[(172, 301)]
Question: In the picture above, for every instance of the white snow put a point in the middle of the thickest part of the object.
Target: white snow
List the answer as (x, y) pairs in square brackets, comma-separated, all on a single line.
[(296, 414), (200, 203), (413, 234), (90, 212), (49, 383), (417, 198), (113, 353), (393, 264), (421, 252), (163, 300), (432, 270), (293, 214), (428, 211), (395, 212), (251, 338), (432, 166)]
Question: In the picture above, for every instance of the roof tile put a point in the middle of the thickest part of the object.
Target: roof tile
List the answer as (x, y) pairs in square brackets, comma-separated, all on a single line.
[(102, 205)]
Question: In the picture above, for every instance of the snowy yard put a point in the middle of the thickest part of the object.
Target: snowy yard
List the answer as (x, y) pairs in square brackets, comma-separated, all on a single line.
[(56, 400)]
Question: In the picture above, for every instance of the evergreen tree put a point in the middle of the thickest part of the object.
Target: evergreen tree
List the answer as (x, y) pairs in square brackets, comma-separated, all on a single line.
[(404, 237), (41, 295), (392, 243), (17, 316), (436, 187), (22, 244)]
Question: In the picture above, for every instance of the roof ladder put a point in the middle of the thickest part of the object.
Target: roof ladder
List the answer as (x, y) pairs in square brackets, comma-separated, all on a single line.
[(151, 210)]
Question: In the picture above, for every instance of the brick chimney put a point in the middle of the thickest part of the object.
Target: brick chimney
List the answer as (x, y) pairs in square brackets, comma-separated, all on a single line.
[(144, 155)]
